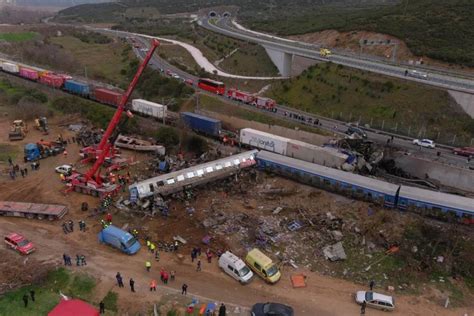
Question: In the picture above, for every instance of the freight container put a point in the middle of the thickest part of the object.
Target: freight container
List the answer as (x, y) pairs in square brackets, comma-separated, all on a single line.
[(264, 103), (107, 96), (52, 80), (262, 140), (202, 124), (328, 157), (148, 108), (241, 96), (29, 73), (77, 87), (9, 67)]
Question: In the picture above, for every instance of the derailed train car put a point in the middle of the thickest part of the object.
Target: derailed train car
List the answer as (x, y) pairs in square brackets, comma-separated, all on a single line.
[(405, 198)]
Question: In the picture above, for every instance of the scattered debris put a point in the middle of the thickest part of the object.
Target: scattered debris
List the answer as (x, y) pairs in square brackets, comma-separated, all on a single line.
[(335, 252), (298, 280)]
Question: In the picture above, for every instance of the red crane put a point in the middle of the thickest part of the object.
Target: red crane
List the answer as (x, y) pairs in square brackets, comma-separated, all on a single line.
[(92, 182)]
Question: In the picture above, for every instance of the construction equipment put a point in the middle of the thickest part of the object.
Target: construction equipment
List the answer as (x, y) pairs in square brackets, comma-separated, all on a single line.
[(324, 52), (41, 150), (41, 124), (92, 182), (18, 130)]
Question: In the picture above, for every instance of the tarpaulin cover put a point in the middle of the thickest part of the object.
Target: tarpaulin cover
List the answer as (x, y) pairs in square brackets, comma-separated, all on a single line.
[(73, 308)]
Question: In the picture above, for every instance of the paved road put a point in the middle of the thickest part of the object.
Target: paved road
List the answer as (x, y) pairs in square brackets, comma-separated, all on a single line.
[(447, 81)]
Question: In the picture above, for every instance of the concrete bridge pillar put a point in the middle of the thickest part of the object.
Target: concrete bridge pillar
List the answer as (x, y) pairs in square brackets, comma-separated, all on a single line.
[(282, 60)]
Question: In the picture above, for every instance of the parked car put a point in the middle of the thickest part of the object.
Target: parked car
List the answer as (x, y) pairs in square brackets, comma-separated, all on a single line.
[(356, 130), (19, 243), (428, 143), (175, 76), (64, 169), (464, 151), (235, 267), (272, 309), (169, 72), (375, 300), (189, 82)]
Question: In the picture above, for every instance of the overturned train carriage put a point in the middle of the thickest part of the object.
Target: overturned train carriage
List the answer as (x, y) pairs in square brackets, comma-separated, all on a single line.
[(190, 177)]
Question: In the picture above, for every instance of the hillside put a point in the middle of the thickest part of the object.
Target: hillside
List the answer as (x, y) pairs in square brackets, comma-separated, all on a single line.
[(435, 28)]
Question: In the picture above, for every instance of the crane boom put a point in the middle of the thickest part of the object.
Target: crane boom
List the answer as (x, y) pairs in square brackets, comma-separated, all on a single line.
[(105, 145)]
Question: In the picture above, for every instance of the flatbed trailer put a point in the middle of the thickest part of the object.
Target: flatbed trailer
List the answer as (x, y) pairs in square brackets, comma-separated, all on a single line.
[(32, 210)]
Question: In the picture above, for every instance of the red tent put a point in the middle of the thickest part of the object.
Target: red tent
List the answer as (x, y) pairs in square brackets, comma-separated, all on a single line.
[(73, 308)]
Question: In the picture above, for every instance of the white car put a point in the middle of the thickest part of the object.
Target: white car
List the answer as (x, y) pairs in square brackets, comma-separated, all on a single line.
[(375, 300), (428, 143), (418, 74), (175, 76), (64, 169)]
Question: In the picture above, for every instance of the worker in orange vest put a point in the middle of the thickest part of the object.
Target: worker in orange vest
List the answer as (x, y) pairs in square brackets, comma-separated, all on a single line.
[(153, 285)]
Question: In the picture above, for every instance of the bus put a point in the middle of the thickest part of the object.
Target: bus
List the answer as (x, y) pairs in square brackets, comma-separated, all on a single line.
[(213, 86)]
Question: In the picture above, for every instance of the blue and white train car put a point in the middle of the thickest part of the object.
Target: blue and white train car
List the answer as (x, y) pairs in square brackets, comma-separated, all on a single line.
[(436, 204), (356, 186)]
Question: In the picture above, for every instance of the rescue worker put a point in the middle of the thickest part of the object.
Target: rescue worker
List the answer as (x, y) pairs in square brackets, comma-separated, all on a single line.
[(184, 289), (108, 218), (152, 247), (157, 255), (62, 177), (148, 266), (153, 285), (83, 260), (25, 300), (118, 276), (148, 243), (165, 277), (222, 310)]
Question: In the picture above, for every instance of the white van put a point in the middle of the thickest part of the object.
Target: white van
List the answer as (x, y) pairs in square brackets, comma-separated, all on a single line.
[(235, 267)]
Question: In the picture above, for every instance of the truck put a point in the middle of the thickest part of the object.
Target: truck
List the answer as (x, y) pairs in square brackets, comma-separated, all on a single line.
[(42, 150), (29, 73), (264, 103), (52, 80), (77, 87), (107, 96), (18, 130), (242, 96), (119, 239), (262, 140), (202, 124), (148, 108), (10, 67)]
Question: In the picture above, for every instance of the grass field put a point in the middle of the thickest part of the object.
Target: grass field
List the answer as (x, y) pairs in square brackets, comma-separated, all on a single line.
[(178, 56), (249, 60), (352, 95), (99, 61), (47, 294), (17, 37)]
